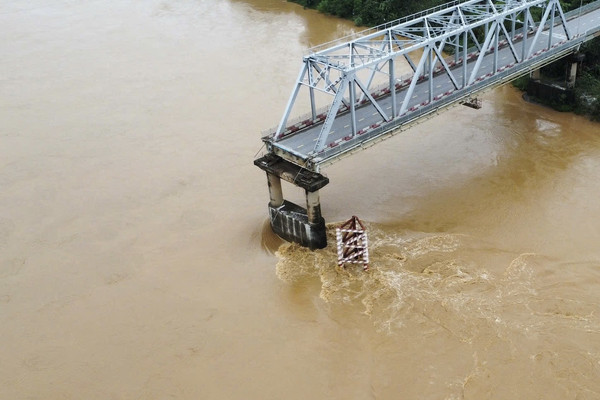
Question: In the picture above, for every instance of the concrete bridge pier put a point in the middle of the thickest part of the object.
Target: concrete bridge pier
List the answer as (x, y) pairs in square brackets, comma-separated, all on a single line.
[(305, 226), (574, 60), (313, 207), (275, 191)]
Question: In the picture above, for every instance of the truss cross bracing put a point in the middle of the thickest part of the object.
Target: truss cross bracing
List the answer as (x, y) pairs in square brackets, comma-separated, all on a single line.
[(352, 243), (450, 53)]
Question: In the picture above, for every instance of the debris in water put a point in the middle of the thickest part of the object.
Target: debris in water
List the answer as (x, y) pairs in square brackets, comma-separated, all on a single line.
[(352, 243), (473, 102)]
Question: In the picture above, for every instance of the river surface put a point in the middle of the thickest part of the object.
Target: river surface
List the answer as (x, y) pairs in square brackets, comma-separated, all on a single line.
[(135, 257)]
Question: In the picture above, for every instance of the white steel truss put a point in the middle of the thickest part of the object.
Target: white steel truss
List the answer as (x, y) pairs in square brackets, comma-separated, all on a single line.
[(482, 24)]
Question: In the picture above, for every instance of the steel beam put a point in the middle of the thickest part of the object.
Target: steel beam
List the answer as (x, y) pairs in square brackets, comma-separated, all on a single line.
[(335, 70)]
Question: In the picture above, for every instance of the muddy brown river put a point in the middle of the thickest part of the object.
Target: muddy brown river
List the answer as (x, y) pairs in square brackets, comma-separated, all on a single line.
[(136, 261)]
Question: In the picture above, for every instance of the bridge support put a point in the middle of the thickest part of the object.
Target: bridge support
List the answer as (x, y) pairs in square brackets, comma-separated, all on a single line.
[(275, 192), (572, 69), (305, 226)]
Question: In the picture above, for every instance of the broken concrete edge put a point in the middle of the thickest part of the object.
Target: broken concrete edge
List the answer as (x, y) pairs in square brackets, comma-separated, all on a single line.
[(288, 171)]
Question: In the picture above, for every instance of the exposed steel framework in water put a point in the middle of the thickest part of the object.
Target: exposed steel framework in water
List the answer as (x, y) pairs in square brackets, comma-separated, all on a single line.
[(352, 243)]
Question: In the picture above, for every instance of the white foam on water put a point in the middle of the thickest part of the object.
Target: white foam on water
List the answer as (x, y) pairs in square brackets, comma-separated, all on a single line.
[(449, 288)]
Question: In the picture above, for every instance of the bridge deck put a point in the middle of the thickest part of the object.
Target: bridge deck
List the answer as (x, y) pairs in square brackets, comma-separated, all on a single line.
[(299, 147)]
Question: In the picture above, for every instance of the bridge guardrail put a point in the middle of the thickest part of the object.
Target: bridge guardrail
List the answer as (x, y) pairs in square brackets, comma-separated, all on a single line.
[(315, 49), (585, 9), (381, 128), (472, 52), (364, 32), (323, 110)]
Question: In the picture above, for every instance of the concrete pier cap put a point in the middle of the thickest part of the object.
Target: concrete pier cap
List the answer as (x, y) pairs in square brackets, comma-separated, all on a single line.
[(292, 222)]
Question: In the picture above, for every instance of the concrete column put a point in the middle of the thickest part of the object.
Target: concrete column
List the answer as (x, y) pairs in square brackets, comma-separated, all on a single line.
[(572, 75), (288, 220), (275, 192), (313, 207), (536, 74)]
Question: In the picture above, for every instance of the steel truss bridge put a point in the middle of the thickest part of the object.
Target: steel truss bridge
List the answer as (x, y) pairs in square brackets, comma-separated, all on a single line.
[(355, 95)]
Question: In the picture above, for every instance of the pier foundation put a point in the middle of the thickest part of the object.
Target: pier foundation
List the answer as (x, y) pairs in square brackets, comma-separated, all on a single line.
[(305, 226)]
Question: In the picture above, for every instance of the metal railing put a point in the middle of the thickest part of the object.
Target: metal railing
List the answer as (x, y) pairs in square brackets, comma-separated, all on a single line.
[(356, 35), (583, 10), (382, 128), (384, 26)]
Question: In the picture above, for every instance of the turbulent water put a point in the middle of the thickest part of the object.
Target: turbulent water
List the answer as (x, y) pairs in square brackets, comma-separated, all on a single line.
[(136, 261), (506, 321)]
